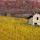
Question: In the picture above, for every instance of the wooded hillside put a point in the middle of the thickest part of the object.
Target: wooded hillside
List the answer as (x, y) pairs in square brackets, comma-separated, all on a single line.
[(13, 7)]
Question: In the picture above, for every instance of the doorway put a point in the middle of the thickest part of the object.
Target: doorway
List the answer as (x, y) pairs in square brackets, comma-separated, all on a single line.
[(35, 23)]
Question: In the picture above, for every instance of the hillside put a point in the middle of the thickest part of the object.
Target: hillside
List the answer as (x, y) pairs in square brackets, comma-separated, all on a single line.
[(18, 3), (17, 29), (18, 7)]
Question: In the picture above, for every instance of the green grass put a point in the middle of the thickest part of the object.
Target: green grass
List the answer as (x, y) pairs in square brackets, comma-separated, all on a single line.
[(12, 28)]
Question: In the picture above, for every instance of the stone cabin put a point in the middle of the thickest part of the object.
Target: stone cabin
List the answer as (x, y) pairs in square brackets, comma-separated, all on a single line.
[(34, 19)]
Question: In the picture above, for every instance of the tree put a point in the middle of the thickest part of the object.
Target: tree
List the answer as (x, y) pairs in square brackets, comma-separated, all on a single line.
[(35, 10)]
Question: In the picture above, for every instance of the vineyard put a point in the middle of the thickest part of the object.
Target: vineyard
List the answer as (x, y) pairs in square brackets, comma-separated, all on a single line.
[(12, 28)]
